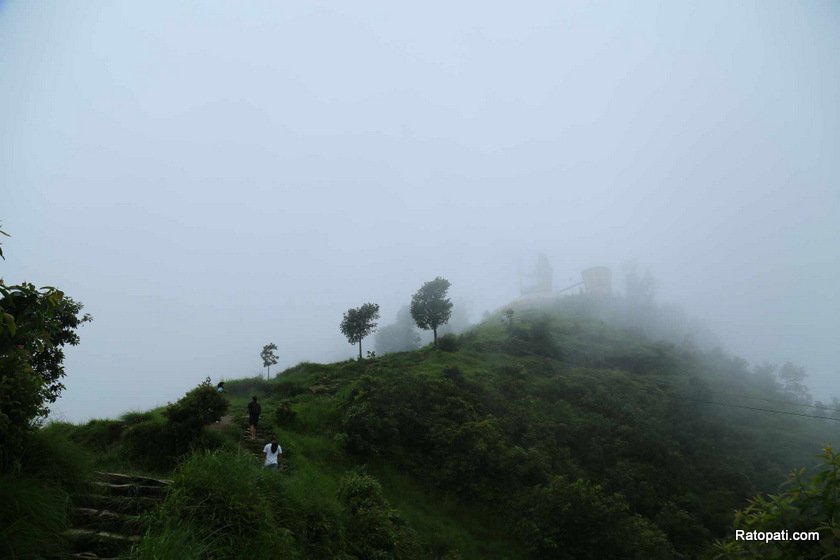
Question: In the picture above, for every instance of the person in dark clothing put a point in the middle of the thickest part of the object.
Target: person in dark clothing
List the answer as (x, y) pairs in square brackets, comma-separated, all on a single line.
[(254, 410)]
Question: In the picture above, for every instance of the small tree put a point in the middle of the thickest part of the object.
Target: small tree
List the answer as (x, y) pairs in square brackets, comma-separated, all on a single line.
[(359, 322), (793, 378), (430, 307), (269, 357), (35, 326)]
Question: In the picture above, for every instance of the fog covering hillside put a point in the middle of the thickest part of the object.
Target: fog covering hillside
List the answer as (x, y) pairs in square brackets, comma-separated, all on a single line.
[(548, 432), (207, 178), (635, 205)]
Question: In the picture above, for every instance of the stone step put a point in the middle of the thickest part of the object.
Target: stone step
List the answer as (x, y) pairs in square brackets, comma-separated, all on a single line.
[(100, 543), (119, 478), (90, 556), (108, 521), (128, 490), (116, 504)]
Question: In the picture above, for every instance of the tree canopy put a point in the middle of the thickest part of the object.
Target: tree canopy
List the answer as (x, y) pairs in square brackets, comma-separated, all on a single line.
[(269, 357), (430, 307), (35, 325), (359, 322)]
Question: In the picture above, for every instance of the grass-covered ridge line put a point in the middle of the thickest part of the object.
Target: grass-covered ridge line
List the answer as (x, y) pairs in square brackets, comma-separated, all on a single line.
[(544, 435)]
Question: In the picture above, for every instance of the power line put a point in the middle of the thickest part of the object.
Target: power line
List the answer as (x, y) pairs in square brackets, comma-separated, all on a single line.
[(776, 401), (766, 410)]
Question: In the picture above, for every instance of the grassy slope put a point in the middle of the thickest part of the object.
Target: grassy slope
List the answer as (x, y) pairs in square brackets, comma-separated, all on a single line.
[(318, 461), (605, 377)]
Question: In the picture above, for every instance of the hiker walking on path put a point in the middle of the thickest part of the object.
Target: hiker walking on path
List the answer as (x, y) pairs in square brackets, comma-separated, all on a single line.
[(272, 451), (254, 410)]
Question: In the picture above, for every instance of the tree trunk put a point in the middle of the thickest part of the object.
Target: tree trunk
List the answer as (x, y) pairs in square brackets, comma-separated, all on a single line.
[(267, 372), (434, 330), (360, 349)]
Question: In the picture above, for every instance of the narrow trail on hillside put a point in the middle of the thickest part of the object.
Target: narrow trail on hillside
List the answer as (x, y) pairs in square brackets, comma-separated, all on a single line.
[(106, 519), (255, 446)]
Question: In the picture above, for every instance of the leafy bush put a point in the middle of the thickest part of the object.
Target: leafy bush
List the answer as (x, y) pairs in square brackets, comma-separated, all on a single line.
[(31, 514), (249, 386), (453, 373), (35, 325), (805, 505), (289, 389), (285, 415), (537, 339), (131, 418), (173, 539), (374, 530), (158, 444), (448, 343), (231, 503), (98, 434), (440, 432), (202, 405), (54, 459), (35, 501), (578, 520), (150, 444)]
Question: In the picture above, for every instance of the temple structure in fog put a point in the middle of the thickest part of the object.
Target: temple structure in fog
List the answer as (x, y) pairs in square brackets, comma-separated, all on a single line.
[(596, 280)]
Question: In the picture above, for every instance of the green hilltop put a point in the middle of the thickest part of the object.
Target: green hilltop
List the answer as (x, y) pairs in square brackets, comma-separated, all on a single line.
[(539, 433)]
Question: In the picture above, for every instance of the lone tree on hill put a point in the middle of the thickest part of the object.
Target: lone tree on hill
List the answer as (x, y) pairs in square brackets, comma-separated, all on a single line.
[(359, 322), (269, 357), (430, 307)]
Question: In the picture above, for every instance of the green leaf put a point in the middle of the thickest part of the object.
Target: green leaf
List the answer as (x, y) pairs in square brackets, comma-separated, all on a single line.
[(9, 321)]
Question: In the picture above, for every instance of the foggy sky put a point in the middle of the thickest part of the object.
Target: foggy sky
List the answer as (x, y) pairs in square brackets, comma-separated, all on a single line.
[(209, 177)]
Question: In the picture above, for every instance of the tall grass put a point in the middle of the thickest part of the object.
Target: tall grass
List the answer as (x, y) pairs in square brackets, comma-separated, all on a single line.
[(173, 539), (31, 514), (34, 499), (221, 505)]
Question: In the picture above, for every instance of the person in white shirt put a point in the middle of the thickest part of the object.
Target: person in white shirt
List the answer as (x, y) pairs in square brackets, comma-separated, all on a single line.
[(273, 452)]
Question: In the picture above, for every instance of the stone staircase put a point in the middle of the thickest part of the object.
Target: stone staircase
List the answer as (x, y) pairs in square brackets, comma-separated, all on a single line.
[(106, 521), (256, 446)]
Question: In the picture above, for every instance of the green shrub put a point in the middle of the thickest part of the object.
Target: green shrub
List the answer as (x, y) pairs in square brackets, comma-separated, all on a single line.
[(803, 506), (374, 530), (288, 389), (150, 444), (31, 515), (98, 434), (173, 539), (202, 405), (537, 340), (158, 444), (578, 520), (35, 326), (210, 440), (249, 386), (454, 374), (34, 502), (231, 502), (448, 343), (131, 418), (285, 415), (51, 457)]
